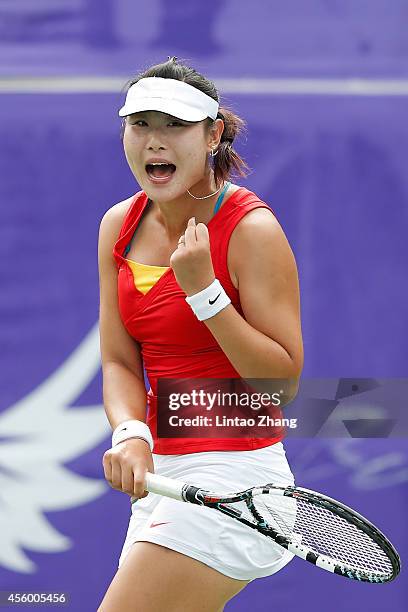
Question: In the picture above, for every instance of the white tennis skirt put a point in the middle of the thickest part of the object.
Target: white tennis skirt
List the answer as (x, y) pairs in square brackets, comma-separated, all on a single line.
[(204, 533)]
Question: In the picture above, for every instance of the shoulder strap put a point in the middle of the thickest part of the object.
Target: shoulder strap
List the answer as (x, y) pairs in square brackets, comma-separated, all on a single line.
[(129, 222), (221, 197)]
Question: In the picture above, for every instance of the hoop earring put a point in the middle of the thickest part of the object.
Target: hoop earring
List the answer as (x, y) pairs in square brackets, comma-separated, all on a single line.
[(210, 194)]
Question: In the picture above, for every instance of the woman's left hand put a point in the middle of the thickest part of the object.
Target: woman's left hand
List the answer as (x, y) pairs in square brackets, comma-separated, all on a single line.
[(191, 262)]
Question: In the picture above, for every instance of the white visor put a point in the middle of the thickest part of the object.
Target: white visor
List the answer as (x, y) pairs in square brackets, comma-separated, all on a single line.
[(169, 96)]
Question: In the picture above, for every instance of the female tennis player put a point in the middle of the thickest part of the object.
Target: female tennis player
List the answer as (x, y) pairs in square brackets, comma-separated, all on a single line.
[(197, 280)]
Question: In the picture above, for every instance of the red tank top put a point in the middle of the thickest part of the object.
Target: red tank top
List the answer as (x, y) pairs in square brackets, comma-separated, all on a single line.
[(174, 343)]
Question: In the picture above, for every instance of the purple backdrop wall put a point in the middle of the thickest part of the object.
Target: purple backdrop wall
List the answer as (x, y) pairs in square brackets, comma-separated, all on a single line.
[(333, 170)]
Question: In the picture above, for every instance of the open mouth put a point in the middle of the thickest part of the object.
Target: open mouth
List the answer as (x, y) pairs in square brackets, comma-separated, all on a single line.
[(160, 171)]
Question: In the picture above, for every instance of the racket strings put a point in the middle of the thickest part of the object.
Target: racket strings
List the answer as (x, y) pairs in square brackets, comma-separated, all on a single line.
[(272, 516), (326, 533), (335, 537)]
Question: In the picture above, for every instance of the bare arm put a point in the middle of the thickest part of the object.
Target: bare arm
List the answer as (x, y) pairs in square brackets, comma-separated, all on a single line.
[(268, 344), (124, 392)]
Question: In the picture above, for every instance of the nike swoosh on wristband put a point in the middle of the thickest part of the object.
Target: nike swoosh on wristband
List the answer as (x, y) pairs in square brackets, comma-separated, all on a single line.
[(211, 302), (156, 524)]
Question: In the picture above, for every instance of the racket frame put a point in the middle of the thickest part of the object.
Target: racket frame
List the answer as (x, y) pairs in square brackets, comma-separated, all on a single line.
[(195, 495)]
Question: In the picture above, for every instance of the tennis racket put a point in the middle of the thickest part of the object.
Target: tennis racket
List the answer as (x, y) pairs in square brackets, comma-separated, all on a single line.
[(310, 525)]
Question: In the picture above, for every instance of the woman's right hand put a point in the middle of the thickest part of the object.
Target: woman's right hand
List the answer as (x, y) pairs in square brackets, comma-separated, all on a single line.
[(126, 464)]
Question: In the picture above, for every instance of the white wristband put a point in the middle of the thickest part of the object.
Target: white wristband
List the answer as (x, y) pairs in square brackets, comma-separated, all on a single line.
[(208, 302), (132, 429)]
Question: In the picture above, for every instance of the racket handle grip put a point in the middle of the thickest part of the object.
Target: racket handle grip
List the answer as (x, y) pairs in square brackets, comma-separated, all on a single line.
[(164, 486)]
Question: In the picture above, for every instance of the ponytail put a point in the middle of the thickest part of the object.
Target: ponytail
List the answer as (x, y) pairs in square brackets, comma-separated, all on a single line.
[(227, 162)]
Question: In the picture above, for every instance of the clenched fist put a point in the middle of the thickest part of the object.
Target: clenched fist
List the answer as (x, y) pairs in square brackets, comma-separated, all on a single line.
[(125, 466), (191, 262)]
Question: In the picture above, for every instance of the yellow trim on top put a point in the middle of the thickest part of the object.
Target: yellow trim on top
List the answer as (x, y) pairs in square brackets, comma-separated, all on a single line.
[(140, 265), (144, 275)]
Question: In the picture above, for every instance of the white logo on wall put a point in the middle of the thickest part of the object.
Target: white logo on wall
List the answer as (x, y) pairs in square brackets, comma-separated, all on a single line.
[(39, 434)]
